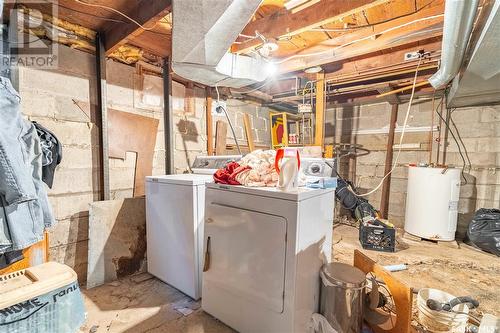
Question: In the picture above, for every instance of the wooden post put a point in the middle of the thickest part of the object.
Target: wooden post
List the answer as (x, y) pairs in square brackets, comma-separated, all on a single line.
[(102, 117), (220, 137), (386, 186), (210, 128), (248, 132), (320, 109)]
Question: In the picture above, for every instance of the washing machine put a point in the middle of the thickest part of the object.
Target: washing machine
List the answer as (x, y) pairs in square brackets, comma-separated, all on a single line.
[(263, 250), (175, 207)]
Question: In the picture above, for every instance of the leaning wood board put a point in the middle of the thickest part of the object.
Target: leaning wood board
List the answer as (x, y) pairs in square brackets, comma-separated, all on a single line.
[(401, 293), (133, 133)]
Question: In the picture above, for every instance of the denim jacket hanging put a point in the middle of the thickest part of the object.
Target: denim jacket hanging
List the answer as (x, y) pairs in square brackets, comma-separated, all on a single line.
[(25, 208)]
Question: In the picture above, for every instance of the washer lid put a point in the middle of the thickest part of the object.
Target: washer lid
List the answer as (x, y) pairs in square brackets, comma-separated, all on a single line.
[(344, 275), (182, 179)]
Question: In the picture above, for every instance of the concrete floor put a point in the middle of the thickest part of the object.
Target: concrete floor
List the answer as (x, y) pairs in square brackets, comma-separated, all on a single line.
[(142, 303)]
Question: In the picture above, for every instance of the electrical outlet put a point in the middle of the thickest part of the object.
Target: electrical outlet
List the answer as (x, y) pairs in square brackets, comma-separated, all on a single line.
[(216, 111), (412, 55)]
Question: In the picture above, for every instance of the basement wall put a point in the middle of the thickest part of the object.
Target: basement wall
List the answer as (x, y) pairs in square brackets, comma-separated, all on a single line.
[(64, 100), (479, 128)]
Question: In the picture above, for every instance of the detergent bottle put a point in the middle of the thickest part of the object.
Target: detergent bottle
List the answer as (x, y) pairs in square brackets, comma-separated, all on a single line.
[(287, 165)]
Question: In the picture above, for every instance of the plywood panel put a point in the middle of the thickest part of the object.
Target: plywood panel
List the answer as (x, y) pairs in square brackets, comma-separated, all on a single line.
[(133, 133)]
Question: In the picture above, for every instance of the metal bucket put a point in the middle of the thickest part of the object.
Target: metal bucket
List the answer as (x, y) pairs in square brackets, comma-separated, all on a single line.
[(342, 296)]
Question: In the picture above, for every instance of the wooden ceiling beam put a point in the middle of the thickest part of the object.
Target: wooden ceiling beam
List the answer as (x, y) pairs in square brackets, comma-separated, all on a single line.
[(368, 64), (147, 13), (285, 23), (392, 34)]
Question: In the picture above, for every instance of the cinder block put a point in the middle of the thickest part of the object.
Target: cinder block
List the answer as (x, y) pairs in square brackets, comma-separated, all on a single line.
[(55, 83), (259, 123), (159, 160), (188, 142), (37, 103), (490, 114), (475, 130), (75, 255), (78, 158), (490, 145), (75, 181), (396, 209), (468, 115), (71, 133), (485, 177), (69, 109), (188, 126), (120, 96), (65, 206), (68, 231)]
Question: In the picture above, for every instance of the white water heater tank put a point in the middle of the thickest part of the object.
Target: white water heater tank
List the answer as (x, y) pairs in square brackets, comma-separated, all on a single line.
[(432, 202)]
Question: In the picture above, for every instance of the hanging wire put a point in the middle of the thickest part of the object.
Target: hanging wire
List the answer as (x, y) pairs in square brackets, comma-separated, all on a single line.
[(228, 120)]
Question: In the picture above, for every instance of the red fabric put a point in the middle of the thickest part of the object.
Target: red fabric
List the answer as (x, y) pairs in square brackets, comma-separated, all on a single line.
[(228, 174)]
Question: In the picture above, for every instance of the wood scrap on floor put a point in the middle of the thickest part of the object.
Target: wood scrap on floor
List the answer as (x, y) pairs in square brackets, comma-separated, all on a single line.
[(380, 321), (117, 240), (133, 133)]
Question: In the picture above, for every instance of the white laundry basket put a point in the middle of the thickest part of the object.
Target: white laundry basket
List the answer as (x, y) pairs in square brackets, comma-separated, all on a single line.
[(40, 299)]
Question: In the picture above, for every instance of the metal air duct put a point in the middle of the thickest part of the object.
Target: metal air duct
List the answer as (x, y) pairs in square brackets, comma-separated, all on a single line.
[(202, 33), (458, 21)]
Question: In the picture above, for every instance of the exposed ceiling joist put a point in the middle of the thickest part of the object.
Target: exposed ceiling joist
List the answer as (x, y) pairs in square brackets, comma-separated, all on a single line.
[(417, 27), (284, 23), (147, 13), (379, 62)]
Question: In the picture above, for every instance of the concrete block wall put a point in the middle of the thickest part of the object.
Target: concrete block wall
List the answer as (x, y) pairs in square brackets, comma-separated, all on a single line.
[(259, 120), (480, 131), (64, 101)]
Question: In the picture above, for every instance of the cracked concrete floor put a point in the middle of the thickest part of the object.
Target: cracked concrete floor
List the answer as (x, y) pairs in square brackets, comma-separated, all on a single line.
[(142, 303)]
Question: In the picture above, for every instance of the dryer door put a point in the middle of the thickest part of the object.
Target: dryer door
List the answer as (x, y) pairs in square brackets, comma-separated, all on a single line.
[(246, 254)]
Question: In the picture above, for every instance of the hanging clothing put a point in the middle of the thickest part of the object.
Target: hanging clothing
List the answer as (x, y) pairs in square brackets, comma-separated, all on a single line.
[(52, 153), (24, 203)]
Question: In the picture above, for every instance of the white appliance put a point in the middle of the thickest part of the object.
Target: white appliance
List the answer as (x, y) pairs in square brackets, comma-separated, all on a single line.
[(432, 202), (318, 167), (263, 252), (175, 207), (207, 165)]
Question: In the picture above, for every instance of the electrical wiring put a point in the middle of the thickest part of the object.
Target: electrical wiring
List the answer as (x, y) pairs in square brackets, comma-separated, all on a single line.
[(87, 14), (400, 146), (228, 120), (446, 122), (332, 50), (117, 12)]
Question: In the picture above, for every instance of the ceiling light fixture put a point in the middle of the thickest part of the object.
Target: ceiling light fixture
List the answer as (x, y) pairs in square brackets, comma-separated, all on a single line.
[(269, 45), (313, 70)]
